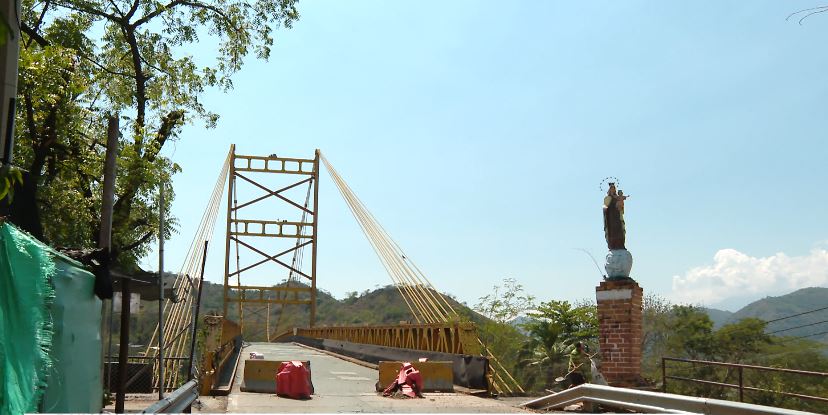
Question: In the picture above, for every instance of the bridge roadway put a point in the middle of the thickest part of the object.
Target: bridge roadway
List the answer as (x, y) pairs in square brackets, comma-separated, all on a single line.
[(345, 387)]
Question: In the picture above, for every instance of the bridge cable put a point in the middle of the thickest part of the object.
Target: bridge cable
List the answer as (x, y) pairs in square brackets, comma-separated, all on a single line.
[(422, 299), (185, 287), (414, 286), (418, 290), (355, 206), (296, 263)]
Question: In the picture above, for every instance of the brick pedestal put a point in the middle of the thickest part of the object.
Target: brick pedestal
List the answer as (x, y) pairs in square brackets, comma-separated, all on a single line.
[(619, 324)]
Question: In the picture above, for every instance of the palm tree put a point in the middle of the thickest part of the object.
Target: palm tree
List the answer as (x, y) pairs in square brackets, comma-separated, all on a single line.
[(553, 330)]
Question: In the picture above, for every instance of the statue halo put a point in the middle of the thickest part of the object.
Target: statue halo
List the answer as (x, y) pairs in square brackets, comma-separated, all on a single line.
[(609, 179)]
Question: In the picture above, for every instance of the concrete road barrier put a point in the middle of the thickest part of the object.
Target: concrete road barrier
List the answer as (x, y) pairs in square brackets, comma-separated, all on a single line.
[(260, 375), (437, 376)]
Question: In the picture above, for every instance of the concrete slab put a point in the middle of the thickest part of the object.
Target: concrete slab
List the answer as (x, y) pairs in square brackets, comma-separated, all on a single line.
[(345, 387)]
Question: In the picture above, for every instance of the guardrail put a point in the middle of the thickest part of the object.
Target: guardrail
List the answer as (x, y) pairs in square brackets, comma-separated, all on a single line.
[(740, 378), (219, 345), (652, 402), (177, 401)]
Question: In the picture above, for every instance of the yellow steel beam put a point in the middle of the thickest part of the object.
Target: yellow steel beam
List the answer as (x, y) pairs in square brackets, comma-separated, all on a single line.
[(274, 165), (288, 289), (455, 338), (267, 227), (285, 229), (265, 301)]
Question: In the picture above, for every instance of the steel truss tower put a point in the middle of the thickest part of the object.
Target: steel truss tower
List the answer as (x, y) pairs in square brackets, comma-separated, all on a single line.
[(249, 234)]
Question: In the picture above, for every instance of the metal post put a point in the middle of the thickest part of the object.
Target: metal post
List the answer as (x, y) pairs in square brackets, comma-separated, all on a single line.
[(741, 386), (105, 241), (315, 237), (105, 236), (9, 55), (161, 292), (108, 197), (663, 375), (123, 349), (230, 183)]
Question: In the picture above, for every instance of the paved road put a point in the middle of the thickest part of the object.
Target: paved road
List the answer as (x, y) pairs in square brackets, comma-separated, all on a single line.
[(345, 387)]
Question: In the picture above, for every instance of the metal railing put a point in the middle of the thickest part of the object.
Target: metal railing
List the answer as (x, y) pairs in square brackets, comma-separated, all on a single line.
[(740, 369), (177, 401), (138, 380), (455, 338), (652, 402)]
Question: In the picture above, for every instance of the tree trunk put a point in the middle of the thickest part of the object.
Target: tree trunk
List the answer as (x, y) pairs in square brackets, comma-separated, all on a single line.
[(23, 211)]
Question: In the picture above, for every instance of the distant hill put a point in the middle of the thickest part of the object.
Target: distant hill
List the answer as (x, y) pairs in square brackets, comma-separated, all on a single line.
[(772, 308), (719, 317), (371, 307), (377, 307)]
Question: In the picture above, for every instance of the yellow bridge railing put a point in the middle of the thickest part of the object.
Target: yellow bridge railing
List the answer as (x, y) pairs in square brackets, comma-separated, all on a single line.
[(456, 338)]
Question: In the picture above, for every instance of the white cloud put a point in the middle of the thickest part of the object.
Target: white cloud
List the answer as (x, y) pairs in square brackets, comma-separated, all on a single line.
[(734, 274)]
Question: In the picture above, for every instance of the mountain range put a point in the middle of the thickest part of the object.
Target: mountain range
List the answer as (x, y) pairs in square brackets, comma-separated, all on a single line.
[(802, 313), (791, 314)]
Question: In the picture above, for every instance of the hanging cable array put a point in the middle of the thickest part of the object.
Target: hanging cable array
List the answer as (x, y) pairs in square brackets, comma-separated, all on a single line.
[(178, 310), (296, 264), (426, 304)]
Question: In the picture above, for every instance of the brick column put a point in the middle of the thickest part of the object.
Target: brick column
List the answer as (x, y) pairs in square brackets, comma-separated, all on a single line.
[(619, 324)]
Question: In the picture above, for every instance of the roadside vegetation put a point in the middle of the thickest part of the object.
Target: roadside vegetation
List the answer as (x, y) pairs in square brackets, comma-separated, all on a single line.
[(534, 341)]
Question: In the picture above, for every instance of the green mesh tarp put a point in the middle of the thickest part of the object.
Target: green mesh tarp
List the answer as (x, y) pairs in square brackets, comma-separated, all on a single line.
[(25, 325), (74, 382), (50, 319)]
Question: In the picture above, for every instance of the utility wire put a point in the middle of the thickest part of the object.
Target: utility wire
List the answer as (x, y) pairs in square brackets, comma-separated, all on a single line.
[(798, 327), (796, 315), (810, 335)]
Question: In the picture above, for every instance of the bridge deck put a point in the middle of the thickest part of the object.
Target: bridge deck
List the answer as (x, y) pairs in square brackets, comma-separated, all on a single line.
[(342, 386)]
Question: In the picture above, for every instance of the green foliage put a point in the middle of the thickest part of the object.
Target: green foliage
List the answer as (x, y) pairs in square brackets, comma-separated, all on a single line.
[(738, 341), (83, 60), (506, 302), (9, 177), (692, 332), (799, 301), (553, 329), (687, 332)]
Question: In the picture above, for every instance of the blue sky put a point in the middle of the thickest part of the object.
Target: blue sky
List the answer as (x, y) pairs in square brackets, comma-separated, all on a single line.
[(478, 133)]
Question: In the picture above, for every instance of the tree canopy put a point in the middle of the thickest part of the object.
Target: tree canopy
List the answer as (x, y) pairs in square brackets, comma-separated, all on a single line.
[(84, 60)]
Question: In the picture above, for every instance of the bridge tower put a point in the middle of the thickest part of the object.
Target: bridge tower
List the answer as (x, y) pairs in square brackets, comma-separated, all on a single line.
[(268, 240)]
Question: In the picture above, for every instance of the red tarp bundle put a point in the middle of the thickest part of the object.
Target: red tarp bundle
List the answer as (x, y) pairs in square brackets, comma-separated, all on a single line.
[(293, 380), (409, 382)]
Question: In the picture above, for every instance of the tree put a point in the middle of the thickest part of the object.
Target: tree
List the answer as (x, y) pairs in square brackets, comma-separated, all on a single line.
[(506, 302), (85, 59), (691, 335), (657, 323), (553, 329)]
